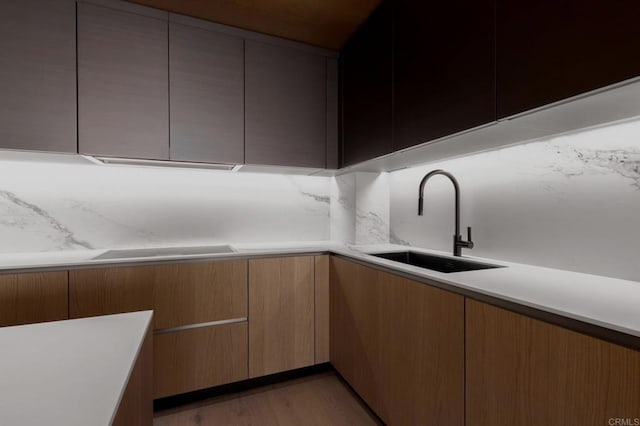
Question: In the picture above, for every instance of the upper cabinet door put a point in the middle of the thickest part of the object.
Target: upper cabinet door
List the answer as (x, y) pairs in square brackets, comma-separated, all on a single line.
[(444, 61), (37, 75), (366, 71), (551, 50), (123, 83), (333, 139), (206, 74), (285, 119)]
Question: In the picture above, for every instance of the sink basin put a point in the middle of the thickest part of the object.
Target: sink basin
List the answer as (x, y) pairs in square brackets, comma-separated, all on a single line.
[(435, 262), (164, 251)]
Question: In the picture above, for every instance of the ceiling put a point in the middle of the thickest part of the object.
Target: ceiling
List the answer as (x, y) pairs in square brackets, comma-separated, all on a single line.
[(324, 23)]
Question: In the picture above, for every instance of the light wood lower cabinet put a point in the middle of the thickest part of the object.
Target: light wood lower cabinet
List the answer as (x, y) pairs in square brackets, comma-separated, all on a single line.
[(136, 405), (33, 297), (355, 336), (281, 314), (522, 371), (106, 291), (322, 323), (191, 293), (399, 344), (179, 293), (199, 358)]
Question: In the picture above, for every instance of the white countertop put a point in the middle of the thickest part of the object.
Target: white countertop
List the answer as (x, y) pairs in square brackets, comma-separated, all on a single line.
[(607, 302), (603, 301), (69, 373)]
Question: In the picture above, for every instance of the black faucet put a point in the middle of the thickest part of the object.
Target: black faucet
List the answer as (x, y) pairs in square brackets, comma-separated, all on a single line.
[(458, 242)]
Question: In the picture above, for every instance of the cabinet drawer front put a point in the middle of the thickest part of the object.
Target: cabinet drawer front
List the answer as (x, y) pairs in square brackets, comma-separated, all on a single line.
[(199, 358), (192, 293), (30, 298), (107, 291)]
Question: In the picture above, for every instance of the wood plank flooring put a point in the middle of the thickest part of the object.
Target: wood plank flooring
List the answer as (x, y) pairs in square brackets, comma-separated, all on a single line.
[(321, 399)]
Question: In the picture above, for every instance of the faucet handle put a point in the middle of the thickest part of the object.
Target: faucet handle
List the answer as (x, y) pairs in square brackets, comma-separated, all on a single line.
[(469, 241)]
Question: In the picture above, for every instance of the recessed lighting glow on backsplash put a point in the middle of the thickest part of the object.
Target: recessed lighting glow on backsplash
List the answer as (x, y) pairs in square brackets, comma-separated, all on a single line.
[(569, 202), (61, 206)]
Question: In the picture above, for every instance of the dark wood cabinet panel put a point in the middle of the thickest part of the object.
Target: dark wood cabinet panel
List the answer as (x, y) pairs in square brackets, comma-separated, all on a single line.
[(38, 75), (333, 139), (521, 371), (366, 89), (551, 50), (285, 109), (444, 60), (123, 84), (206, 72)]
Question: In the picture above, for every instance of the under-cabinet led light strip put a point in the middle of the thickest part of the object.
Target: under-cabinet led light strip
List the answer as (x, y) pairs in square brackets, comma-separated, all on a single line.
[(161, 163)]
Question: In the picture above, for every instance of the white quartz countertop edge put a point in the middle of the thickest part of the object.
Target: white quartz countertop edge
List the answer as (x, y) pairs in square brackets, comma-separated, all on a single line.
[(602, 301), (71, 372)]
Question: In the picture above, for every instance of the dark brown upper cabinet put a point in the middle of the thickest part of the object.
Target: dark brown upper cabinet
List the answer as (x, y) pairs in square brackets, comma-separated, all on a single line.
[(285, 106), (443, 77), (38, 75), (551, 50), (123, 82), (206, 79), (366, 75)]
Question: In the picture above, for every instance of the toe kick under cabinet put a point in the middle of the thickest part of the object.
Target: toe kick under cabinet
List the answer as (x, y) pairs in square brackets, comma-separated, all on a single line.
[(217, 322)]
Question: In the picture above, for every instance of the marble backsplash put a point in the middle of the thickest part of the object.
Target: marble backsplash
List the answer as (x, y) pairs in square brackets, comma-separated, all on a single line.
[(49, 206), (360, 208), (571, 202)]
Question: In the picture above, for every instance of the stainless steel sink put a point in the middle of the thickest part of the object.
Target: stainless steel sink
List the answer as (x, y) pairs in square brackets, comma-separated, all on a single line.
[(164, 251), (435, 262)]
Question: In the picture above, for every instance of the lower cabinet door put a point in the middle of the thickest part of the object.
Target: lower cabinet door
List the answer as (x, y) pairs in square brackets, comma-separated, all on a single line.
[(199, 358), (526, 372), (399, 344), (281, 314)]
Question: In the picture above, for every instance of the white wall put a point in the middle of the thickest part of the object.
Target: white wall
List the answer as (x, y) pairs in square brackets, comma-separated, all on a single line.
[(572, 202), (47, 207)]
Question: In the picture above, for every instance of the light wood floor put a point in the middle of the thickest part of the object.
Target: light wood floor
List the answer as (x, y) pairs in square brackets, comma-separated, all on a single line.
[(321, 399)]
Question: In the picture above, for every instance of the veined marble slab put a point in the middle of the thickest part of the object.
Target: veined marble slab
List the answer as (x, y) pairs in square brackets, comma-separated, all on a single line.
[(48, 206), (571, 202)]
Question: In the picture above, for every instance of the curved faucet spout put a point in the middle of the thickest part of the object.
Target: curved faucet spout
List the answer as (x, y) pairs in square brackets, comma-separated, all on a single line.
[(458, 242)]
